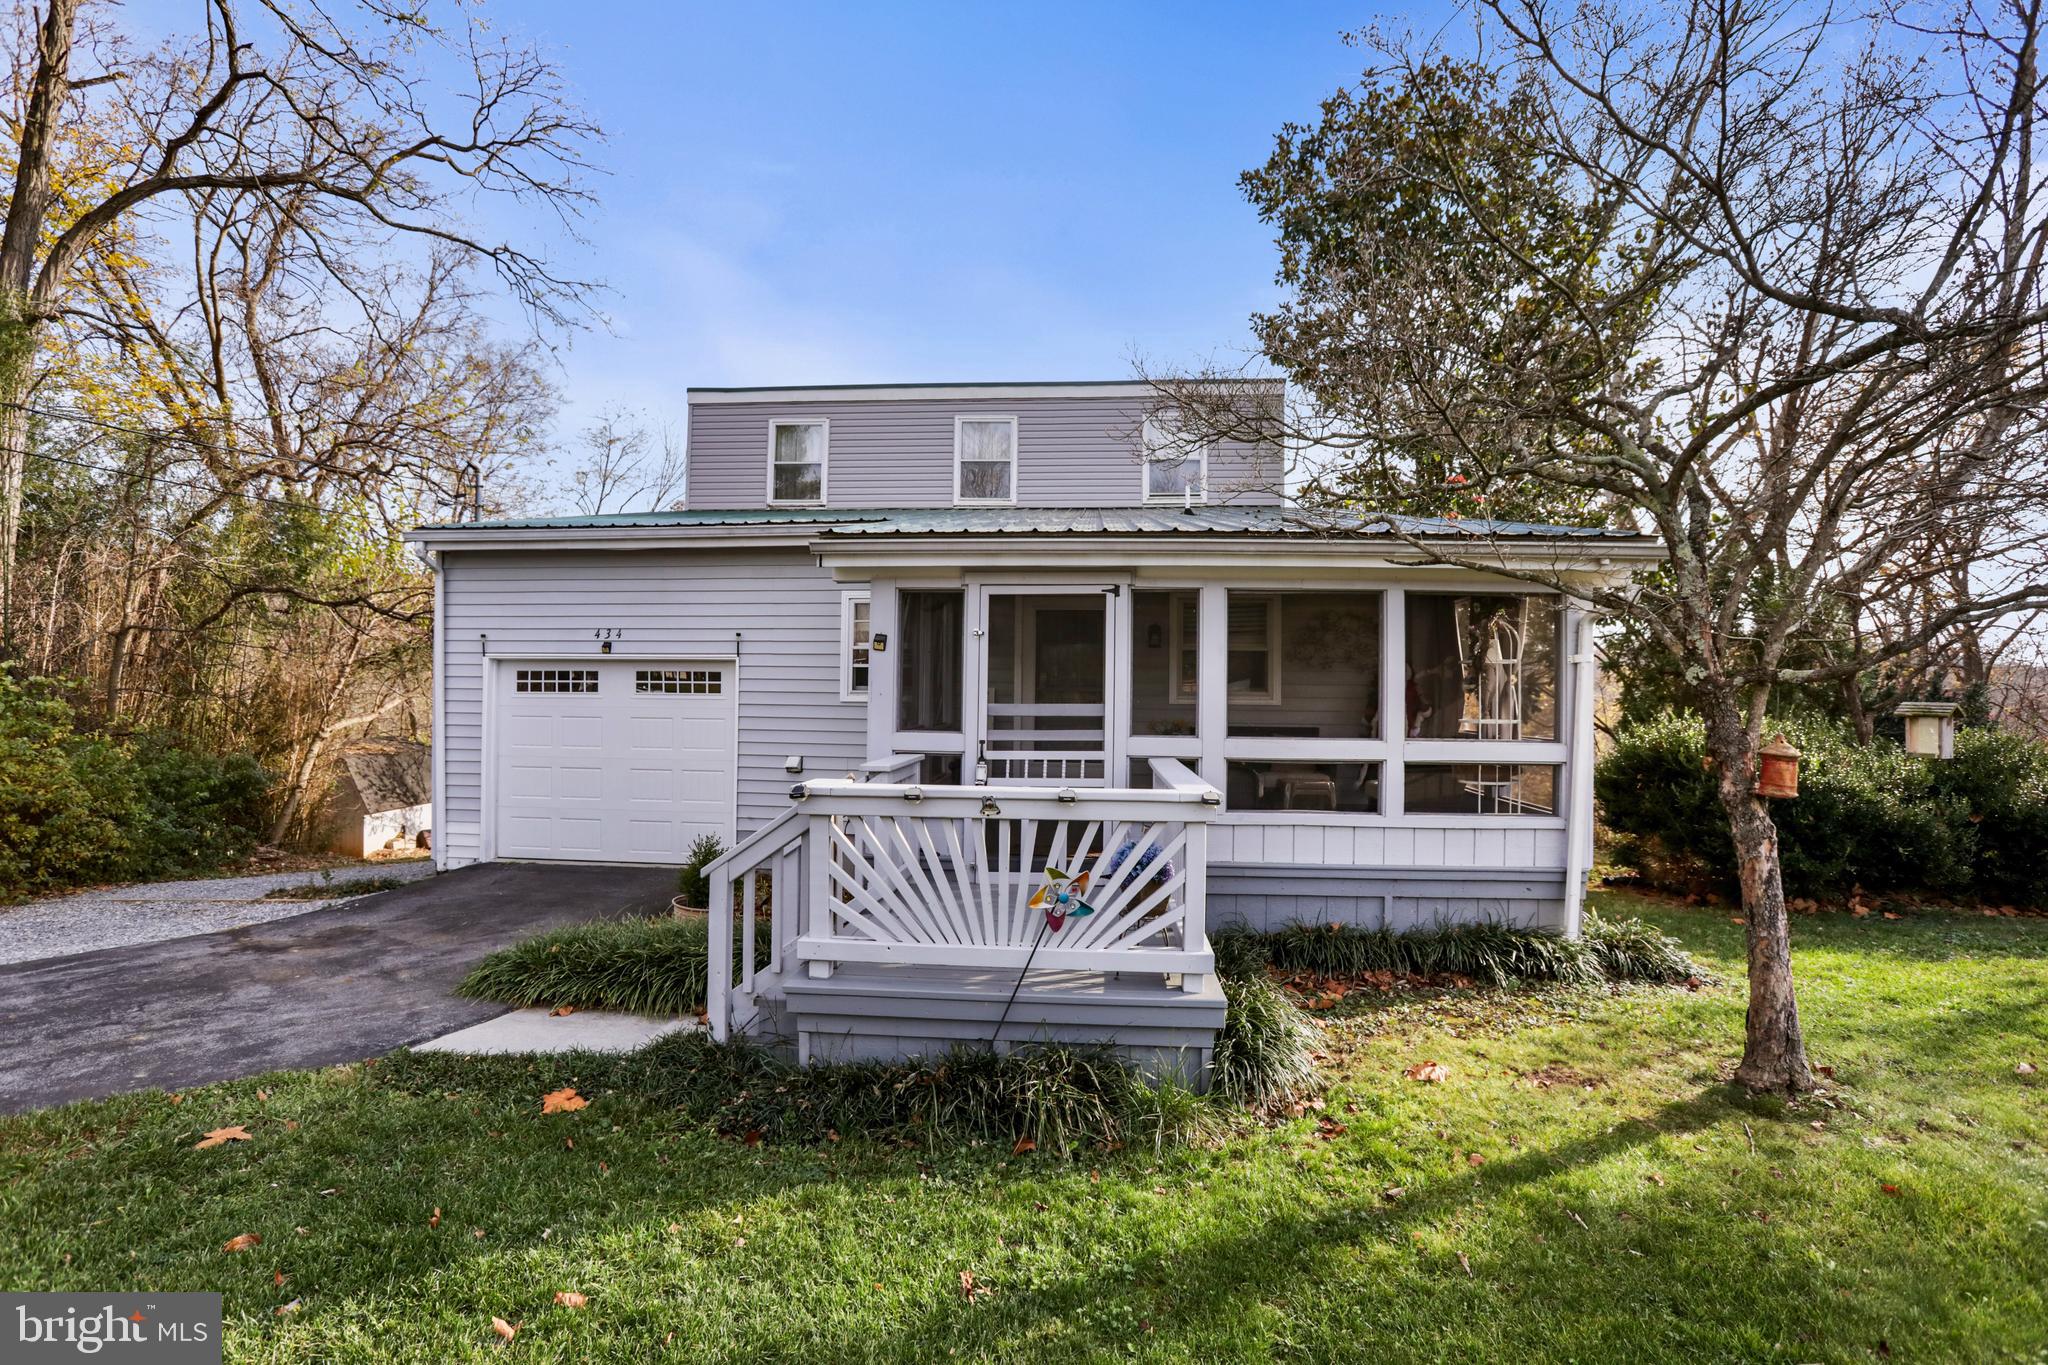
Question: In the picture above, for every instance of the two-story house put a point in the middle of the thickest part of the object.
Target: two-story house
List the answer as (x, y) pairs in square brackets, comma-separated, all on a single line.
[(912, 646)]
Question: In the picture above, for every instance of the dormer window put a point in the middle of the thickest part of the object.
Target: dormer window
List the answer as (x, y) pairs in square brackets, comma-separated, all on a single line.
[(796, 463), (985, 459), (1176, 470)]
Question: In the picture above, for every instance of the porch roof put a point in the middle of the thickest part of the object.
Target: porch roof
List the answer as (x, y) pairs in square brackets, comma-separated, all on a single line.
[(1198, 520)]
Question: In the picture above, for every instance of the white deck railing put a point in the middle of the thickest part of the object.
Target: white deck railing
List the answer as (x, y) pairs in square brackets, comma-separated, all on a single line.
[(944, 875)]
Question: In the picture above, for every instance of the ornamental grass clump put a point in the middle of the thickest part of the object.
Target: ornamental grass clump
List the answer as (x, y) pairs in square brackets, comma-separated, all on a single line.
[(645, 966), (1265, 1051), (1489, 952)]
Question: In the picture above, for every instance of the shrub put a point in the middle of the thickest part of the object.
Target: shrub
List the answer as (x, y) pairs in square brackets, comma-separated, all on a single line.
[(78, 808), (1866, 815), (691, 884)]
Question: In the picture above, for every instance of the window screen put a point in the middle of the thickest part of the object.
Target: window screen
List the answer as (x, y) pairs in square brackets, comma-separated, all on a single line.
[(707, 682), (556, 680)]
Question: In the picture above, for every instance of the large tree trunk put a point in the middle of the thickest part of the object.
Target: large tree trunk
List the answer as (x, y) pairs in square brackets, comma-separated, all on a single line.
[(1774, 1048)]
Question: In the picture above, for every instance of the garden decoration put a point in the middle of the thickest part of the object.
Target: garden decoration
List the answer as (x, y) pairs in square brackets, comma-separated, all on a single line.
[(1060, 898)]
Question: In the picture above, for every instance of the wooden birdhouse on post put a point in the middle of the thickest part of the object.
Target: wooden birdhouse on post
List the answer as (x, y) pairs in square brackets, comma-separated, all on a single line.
[(1777, 774), (1930, 727)]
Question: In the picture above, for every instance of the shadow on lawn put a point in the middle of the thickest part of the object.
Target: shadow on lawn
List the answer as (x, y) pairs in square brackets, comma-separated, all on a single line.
[(1211, 1285)]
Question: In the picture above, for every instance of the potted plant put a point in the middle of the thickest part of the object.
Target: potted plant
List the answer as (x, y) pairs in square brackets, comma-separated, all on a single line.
[(693, 899)]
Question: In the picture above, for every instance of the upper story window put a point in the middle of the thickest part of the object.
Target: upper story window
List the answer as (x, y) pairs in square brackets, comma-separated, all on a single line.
[(1176, 469), (984, 459), (796, 462)]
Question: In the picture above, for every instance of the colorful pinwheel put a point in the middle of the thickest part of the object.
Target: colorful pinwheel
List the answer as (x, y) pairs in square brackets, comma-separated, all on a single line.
[(1060, 898)]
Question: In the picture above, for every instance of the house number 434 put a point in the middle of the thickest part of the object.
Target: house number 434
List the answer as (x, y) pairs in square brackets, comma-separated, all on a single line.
[(608, 633)]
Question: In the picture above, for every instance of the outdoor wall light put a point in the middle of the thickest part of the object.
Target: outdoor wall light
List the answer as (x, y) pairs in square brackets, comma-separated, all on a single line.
[(605, 647), (879, 644)]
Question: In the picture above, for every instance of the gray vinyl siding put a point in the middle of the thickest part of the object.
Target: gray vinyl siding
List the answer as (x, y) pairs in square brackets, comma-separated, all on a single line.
[(1273, 896), (782, 608), (1071, 452)]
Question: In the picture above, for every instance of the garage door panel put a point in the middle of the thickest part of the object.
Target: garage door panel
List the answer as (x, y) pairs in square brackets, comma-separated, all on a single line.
[(618, 763)]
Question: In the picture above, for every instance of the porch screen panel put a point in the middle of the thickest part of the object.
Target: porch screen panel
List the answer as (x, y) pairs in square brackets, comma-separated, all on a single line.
[(1482, 666), (929, 636), (1046, 712), (1294, 784), (1480, 789), (1165, 649), (1305, 665)]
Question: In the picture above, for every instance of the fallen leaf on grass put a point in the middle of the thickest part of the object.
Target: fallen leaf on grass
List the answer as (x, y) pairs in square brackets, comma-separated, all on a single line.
[(562, 1101), (285, 1308), (434, 1219), (569, 1298), (1826, 1071), (277, 1278), (1653, 1177), (2023, 1069), (971, 1291), (291, 1125), (1392, 1193), (233, 1133), (1474, 1159), (560, 1010), (1466, 1264), (504, 1328), (1024, 1144), (242, 1242), (1430, 1073), (1891, 1189)]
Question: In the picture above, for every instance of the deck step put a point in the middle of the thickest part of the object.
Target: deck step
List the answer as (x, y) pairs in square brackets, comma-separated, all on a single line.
[(865, 1012)]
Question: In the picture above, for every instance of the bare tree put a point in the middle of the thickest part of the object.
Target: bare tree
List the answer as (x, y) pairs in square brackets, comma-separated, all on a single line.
[(342, 123), (626, 466), (1767, 280)]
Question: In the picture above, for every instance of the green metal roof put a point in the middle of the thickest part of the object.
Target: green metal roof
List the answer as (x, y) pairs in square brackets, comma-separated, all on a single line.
[(1208, 520)]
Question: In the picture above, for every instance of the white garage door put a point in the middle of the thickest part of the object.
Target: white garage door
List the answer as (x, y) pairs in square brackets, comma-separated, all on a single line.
[(617, 762)]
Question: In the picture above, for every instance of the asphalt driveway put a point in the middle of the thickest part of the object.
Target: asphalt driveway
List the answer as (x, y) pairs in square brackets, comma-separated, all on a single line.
[(324, 987)]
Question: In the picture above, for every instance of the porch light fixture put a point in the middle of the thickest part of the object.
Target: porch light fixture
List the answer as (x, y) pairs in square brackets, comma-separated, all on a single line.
[(913, 794), (800, 791), (605, 647), (879, 643), (1067, 797)]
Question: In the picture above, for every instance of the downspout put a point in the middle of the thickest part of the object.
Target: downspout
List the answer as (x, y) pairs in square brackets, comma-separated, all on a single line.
[(1578, 857)]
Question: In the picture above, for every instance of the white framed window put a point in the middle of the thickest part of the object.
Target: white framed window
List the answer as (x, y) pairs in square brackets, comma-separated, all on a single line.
[(797, 458), (984, 460), (1186, 644), (855, 635), (1175, 471), (1252, 657)]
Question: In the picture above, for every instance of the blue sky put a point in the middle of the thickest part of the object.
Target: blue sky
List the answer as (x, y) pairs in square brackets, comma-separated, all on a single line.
[(822, 194)]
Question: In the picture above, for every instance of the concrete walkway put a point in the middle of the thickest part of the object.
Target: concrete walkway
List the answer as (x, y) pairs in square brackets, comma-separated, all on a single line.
[(539, 1030), (331, 986)]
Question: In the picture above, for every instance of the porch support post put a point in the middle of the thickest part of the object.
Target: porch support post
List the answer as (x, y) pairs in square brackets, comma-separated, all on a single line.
[(1393, 696), (1212, 680), (1578, 771), (882, 669), (1196, 893)]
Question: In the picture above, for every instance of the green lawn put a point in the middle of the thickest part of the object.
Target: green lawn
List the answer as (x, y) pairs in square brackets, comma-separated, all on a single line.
[(1624, 1205)]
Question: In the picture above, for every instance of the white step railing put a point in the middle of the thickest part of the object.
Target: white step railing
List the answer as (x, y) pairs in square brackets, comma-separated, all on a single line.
[(776, 848), (945, 875)]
